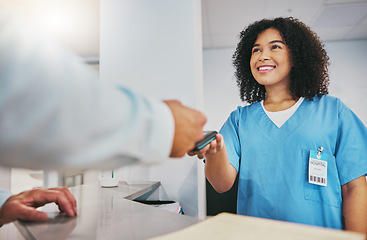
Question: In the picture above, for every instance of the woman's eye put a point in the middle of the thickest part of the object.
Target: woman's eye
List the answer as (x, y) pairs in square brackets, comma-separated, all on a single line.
[(255, 50), (275, 47)]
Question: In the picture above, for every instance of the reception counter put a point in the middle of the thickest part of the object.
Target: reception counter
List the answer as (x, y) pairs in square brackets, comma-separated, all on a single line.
[(111, 213), (107, 213)]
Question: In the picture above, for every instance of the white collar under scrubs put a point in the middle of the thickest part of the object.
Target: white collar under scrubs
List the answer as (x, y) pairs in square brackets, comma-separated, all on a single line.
[(280, 117)]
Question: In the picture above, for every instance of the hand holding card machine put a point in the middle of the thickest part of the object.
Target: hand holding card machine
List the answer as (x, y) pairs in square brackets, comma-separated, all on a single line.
[(208, 137)]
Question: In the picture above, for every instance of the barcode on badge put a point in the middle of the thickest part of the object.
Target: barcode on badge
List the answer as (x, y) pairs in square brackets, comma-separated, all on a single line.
[(317, 180)]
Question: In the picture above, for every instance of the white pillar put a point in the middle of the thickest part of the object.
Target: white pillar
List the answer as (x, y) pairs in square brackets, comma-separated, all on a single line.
[(155, 47), (52, 178)]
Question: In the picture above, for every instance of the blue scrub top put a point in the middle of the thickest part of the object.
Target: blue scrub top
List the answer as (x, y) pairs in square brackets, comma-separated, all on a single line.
[(273, 162)]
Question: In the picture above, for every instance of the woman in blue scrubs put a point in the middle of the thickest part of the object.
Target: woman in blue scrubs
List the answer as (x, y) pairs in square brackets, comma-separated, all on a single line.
[(301, 155)]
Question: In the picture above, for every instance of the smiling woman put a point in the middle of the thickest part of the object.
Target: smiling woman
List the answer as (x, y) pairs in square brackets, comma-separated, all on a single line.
[(308, 58), (291, 123), (271, 62)]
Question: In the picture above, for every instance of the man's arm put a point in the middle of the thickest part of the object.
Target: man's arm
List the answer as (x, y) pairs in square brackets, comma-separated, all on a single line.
[(57, 113), (355, 205), (23, 206)]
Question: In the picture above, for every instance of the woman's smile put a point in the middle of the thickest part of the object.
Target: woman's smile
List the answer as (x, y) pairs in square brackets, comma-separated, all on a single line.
[(265, 68)]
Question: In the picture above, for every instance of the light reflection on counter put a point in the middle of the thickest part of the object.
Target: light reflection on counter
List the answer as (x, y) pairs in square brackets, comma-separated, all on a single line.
[(107, 213)]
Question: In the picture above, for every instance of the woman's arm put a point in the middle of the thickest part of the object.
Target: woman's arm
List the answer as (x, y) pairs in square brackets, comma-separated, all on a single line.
[(355, 205), (219, 172)]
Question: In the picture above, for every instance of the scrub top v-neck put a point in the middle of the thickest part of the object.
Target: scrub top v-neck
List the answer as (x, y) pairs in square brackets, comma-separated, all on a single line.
[(280, 117), (273, 162)]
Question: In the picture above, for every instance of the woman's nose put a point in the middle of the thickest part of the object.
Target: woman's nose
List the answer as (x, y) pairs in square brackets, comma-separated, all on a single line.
[(264, 55)]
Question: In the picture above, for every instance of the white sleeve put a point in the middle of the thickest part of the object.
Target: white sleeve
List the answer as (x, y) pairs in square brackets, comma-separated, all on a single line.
[(55, 113), (4, 195)]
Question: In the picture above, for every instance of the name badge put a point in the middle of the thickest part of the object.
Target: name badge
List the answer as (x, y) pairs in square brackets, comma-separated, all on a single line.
[(317, 167)]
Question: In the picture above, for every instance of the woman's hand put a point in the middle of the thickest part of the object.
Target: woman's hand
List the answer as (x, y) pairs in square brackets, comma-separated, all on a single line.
[(212, 148)]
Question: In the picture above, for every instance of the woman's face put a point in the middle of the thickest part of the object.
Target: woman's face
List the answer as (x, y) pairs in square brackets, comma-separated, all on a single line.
[(271, 61)]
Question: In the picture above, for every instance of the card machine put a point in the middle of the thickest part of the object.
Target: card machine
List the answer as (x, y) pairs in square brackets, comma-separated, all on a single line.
[(208, 137)]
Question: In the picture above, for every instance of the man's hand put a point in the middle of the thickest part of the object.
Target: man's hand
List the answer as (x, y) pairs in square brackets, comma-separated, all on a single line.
[(188, 128), (23, 205)]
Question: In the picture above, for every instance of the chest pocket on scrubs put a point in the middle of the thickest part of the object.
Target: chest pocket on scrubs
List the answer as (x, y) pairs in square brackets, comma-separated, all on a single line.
[(328, 195)]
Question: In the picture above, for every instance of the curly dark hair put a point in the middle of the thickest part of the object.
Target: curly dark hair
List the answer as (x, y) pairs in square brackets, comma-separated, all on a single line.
[(309, 75)]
